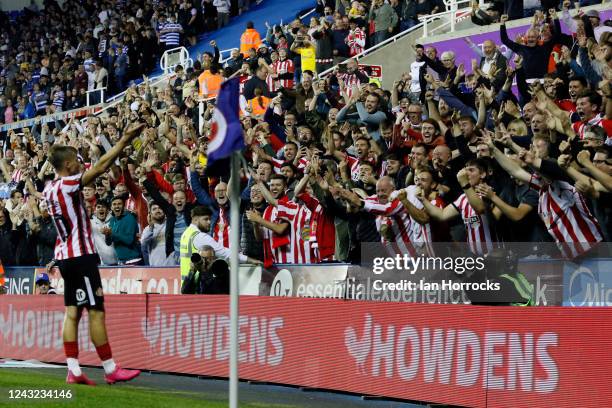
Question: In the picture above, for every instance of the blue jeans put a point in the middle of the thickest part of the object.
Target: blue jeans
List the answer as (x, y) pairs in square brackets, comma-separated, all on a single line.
[(379, 37)]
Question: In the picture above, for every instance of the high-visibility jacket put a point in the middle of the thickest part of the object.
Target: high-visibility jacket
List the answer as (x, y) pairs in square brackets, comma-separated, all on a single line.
[(522, 286), (257, 108), (187, 248), (209, 84), (249, 39)]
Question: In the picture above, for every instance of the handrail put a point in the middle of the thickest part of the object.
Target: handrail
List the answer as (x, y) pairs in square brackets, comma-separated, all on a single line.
[(100, 90), (424, 20), (374, 48)]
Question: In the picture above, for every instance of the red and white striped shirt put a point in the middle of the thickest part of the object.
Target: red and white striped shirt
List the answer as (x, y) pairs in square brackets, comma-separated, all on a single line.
[(221, 232), (283, 67), (322, 229), (599, 120), (276, 247), (350, 80), (410, 237), (353, 162), (66, 206), (566, 216), (300, 231), (17, 175), (477, 225), (356, 41)]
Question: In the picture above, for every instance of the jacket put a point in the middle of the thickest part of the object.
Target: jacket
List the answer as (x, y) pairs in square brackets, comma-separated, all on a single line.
[(384, 17), (170, 212), (249, 39), (124, 236)]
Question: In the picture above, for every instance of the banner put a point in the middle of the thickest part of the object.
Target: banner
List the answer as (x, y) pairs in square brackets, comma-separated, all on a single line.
[(19, 280), (473, 356), (588, 284), (545, 276), (373, 71), (321, 281), (129, 280)]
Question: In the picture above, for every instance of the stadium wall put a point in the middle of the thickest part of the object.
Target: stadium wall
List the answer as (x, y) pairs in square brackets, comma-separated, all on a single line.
[(394, 66), (470, 356)]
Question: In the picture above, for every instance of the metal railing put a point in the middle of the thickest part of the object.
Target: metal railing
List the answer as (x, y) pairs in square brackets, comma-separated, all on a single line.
[(171, 58), (93, 92), (453, 15), (451, 8)]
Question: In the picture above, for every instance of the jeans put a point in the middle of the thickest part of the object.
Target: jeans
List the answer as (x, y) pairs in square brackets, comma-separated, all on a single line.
[(406, 24), (379, 37)]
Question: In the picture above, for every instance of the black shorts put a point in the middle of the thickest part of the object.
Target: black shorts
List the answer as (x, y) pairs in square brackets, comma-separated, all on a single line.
[(82, 284)]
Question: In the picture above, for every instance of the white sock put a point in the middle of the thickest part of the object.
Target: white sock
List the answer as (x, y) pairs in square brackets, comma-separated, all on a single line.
[(73, 366), (109, 366)]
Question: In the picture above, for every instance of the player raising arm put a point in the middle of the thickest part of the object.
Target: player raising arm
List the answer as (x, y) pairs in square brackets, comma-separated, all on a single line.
[(77, 259)]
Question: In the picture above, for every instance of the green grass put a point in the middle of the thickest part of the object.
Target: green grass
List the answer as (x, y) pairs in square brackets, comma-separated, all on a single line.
[(102, 395)]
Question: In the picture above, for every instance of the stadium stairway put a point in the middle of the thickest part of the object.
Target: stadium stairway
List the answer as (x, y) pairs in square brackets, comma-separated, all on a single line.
[(272, 11), (393, 67)]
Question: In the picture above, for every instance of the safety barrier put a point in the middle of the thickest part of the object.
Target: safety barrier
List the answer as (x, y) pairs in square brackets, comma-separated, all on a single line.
[(449, 354), (554, 282)]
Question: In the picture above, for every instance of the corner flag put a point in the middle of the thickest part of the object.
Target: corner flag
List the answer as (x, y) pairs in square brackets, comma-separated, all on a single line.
[(226, 131)]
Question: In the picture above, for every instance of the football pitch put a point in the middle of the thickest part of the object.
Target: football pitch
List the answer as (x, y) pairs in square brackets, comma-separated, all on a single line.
[(164, 390)]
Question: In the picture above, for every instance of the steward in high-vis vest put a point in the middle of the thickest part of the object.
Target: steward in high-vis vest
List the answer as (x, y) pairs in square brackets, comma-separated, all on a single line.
[(195, 238), (249, 39), (522, 287)]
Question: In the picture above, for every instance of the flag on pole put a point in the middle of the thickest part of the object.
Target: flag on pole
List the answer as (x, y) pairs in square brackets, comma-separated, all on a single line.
[(226, 134)]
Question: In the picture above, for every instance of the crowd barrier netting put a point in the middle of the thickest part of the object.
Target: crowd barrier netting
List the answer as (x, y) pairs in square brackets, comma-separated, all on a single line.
[(478, 356)]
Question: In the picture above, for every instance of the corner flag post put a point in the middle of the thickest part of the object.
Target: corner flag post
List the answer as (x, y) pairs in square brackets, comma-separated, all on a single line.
[(234, 268), (227, 140)]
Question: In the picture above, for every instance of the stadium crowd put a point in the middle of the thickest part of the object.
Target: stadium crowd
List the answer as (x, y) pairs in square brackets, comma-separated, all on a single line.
[(51, 58), (449, 153)]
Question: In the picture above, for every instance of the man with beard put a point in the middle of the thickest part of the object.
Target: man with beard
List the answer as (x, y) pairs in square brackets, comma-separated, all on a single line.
[(362, 148), (249, 245), (365, 113), (178, 216), (269, 227), (220, 207), (470, 207), (153, 240), (45, 234), (197, 236), (99, 222), (353, 77), (122, 232)]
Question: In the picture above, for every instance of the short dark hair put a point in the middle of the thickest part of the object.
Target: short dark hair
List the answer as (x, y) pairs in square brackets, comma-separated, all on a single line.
[(58, 154), (479, 163), (468, 117), (580, 79), (249, 24), (279, 177), (594, 98), (200, 211)]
